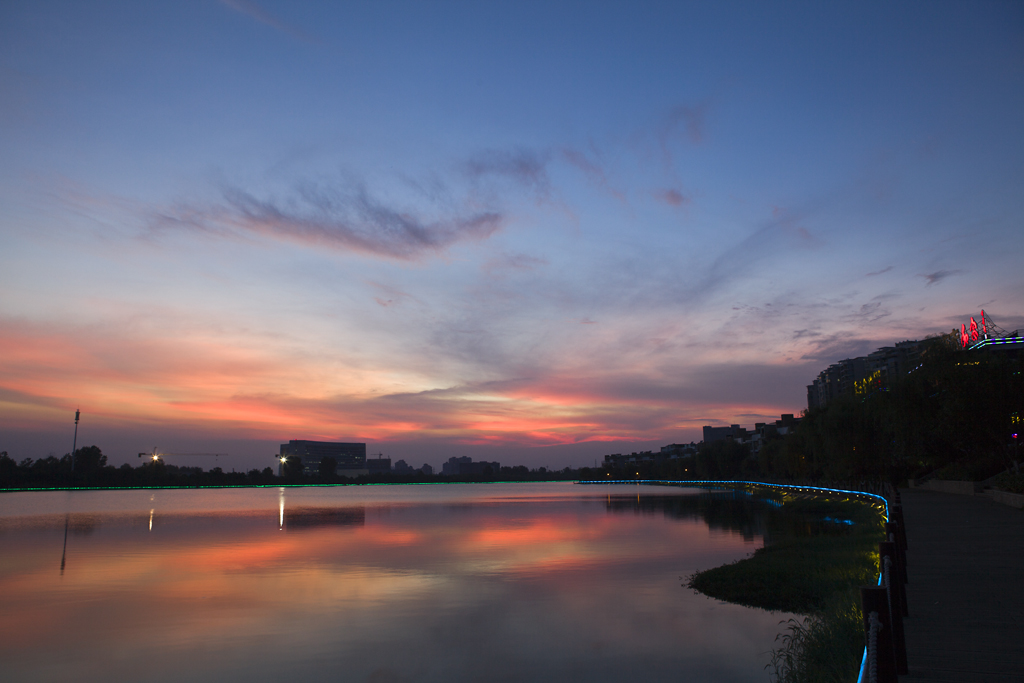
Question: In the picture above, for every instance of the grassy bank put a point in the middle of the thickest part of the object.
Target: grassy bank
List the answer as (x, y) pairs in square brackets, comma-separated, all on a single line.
[(818, 553)]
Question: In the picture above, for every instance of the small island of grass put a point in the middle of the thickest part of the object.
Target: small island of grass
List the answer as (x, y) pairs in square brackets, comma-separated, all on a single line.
[(815, 572)]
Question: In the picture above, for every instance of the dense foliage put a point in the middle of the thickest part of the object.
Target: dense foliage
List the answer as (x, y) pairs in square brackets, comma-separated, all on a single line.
[(954, 416), (957, 413), (91, 470)]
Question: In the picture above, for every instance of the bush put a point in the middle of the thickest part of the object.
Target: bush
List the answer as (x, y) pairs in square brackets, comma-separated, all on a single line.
[(1010, 481)]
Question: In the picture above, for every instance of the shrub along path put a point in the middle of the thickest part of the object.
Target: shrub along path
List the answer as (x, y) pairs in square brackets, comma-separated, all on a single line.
[(965, 591)]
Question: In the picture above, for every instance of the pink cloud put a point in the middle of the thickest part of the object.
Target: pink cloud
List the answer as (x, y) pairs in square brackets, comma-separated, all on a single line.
[(672, 197)]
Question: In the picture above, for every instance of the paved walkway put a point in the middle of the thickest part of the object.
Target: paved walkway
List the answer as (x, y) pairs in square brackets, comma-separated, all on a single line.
[(965, 591)]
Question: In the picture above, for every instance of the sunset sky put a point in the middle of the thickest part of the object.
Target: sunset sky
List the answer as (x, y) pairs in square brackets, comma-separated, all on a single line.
[(533, 232)]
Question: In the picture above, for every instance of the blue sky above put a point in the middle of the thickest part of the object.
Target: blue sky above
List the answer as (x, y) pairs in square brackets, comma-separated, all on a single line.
[(545, 231)]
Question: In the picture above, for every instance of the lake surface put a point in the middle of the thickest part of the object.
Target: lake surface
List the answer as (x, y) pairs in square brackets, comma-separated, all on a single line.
[(385, 584)]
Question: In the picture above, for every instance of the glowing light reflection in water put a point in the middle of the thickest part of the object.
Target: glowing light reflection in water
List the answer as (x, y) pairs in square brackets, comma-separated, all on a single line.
[(492, 582)]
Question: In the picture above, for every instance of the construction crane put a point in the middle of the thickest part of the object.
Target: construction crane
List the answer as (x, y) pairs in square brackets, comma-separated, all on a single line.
[(157, 455)]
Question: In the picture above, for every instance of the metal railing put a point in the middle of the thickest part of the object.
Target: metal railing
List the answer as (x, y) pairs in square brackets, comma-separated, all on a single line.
[(885, 605)]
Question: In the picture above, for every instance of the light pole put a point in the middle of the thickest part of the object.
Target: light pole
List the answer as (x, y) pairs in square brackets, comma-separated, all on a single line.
[(74, 444)]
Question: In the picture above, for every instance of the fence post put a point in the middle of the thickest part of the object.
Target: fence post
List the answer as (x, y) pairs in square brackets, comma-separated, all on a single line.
[(889, 558), (901, 560), (876, 609), (897, 511), (893, 532)]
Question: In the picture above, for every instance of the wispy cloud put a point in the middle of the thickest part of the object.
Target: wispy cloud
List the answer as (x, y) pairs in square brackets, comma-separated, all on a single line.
[(347, 220), (937, 276), (879, 272), (690, 118), (513, 262), (779, 235), (672, 197), (835, 347), (870, 312), (686, 122), (592, 169), (254, 11), (389, 296), (524, 167)]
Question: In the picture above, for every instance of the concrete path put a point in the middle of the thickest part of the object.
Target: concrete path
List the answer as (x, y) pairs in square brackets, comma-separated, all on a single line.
[(965, 591)]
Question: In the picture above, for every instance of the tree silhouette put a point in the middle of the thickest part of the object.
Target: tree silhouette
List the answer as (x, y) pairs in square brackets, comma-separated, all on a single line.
[(89, 460), (328, 468)]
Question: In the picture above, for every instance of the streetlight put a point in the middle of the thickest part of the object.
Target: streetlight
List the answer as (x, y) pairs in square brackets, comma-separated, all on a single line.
[(74, 443)]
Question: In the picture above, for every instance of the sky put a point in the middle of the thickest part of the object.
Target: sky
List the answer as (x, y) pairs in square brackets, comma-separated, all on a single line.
[(532, 232)]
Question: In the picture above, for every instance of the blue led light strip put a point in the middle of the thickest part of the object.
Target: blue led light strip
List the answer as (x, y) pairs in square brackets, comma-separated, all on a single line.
[(1004, 341)]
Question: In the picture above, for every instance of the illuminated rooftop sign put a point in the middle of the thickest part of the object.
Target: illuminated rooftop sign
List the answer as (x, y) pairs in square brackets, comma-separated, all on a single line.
[(976, 337), (968, 335)]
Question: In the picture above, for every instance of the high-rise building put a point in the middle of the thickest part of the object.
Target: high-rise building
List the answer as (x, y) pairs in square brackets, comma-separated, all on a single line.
[(350, 458), (864, 373)]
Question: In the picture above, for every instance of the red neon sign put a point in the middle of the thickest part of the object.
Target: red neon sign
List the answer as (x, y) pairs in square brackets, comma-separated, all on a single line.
[(971, 334)]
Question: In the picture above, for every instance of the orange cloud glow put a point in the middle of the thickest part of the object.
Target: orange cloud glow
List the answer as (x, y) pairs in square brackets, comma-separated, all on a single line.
[(260, 389)]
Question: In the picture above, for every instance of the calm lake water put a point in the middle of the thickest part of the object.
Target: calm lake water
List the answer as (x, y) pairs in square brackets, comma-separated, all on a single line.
[(488, 582)]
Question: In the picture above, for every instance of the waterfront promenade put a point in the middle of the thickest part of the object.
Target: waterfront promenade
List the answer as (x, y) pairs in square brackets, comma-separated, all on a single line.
[(965, 588)]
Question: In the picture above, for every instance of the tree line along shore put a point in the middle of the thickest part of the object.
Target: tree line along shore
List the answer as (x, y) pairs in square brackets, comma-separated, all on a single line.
[(92, 471)]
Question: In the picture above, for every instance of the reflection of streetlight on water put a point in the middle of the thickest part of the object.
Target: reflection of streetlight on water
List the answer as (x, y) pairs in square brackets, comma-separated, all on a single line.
[(64, 554), (280, 519)]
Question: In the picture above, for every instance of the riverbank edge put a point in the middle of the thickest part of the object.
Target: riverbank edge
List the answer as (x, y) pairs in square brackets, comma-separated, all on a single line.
[(828, 644)]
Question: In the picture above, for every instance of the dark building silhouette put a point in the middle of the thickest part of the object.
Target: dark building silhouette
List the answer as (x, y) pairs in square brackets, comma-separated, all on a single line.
[(402, 467), (712, 434), (349, 457), (378, 465), (465, 466), (864, 373), (679, 450), (755, 437)]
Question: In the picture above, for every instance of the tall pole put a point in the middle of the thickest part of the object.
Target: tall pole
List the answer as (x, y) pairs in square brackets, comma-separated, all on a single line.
[(74, 444)]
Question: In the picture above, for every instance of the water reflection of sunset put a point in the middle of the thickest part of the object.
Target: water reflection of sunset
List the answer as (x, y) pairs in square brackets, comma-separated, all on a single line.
[(547, 583)]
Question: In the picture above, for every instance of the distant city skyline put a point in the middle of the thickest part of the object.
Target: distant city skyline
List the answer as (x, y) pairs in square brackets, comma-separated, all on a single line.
[(532, 233)]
